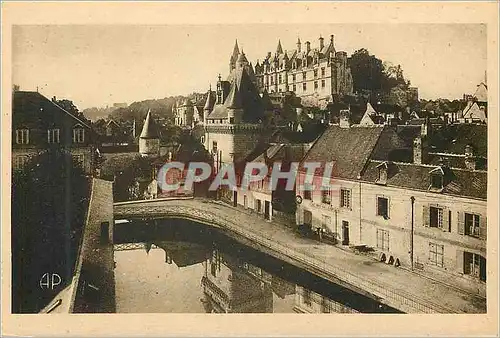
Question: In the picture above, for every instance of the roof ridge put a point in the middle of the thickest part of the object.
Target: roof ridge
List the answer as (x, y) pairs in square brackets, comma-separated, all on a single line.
[(67, 112)]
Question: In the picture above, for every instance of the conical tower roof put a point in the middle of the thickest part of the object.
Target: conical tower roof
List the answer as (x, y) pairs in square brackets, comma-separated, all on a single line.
[(233, 100), (236, 51), (209, 103), (279, 49), (149, 130)]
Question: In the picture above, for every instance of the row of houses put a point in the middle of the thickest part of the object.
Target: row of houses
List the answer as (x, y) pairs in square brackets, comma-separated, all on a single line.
[(414, 195)]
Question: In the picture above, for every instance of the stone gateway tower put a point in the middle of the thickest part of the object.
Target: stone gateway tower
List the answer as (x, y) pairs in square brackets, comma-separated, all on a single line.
[(149, 141)]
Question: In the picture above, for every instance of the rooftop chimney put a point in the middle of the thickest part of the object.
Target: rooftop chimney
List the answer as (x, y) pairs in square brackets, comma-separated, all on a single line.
[(308, 46), (344, 121), (332, 39), (298, 45), (470, 160), (419, 150), (321, 42)]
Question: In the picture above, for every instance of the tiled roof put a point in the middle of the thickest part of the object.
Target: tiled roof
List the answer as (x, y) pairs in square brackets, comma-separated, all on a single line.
[(417, 177), (30, 105), (453, 139), (349, 148), (233, 100), (248, 96), (219, 112)]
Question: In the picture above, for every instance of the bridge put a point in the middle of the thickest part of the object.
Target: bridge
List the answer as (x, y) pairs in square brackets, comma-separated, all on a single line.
[(395, 287)]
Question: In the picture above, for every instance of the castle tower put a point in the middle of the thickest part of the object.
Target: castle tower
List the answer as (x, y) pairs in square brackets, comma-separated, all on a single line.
[(279, 49), (234, 106), (209, 104), (149, 141), (234, 57)]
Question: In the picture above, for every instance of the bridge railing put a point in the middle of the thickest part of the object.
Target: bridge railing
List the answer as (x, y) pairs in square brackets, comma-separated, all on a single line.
[(409, 301), (173, 198)]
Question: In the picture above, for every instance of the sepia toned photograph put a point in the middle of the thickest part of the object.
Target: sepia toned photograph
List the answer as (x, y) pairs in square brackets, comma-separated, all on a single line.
[(265, 168)]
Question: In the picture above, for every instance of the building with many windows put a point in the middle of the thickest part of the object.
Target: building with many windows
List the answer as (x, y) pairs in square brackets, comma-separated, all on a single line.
[(39, 124), (317, 75), (417, 212)]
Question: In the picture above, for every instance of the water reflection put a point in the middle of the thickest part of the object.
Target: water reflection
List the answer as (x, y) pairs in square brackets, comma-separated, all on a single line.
[(181, 277)]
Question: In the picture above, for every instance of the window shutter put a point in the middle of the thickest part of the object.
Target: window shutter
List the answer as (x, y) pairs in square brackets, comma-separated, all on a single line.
[(482, 227), (461, 222), (446, 220), (460, 261), (376, 206), (426, 215)]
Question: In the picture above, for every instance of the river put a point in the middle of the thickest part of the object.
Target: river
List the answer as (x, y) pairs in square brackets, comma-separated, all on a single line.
[(186, 267)]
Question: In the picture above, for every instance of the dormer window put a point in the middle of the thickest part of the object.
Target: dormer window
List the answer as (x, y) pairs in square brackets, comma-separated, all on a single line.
[(22, 136), (437, 181), (78, 135), (383, 169)]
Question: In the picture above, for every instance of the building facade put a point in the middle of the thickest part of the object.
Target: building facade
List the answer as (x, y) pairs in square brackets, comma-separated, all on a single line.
[(316, 75), (39, 124), (431, 218)]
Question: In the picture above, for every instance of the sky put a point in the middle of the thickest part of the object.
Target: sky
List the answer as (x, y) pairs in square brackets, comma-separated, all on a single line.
[(98, 65)]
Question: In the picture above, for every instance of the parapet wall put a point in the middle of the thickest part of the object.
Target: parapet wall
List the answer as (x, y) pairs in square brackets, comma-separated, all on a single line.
[(94, 276)]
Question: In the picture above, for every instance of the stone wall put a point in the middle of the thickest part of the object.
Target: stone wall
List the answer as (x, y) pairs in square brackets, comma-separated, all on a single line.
[(95, 290)]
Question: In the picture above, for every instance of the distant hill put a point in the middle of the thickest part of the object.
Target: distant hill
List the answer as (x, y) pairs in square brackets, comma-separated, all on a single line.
[(160, 108)]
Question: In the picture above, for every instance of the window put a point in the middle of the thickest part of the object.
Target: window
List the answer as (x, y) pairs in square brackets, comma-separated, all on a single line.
[(294, 87), (345, 198), (436, 217), (315, 85), (78, 135), (304, 86), (326, 306), (323, 71), (315, 73), (325, 222), (53, 135), (279, 78), (293, 77), (303, 76), (382, 174), (21, 162), (307, 296), (326, 196), (323, 83), (22, 136), (231, 120), (472, 225), (436, 254), (383, 239), (475, 265), (272, 80), (437, 181), (383, 207), (214, 146), (307, 191)]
